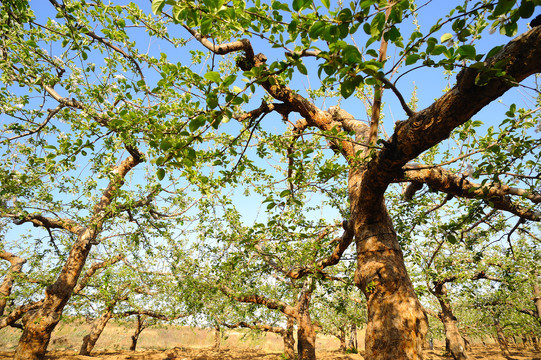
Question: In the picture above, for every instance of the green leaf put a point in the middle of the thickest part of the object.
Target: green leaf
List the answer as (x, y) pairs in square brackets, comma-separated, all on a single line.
[(285, 193), (494, 51), (348, 86), (326, 3), (213, 76), (412, 59), (316, 29), (467, 51), (157, 6), (302, 68), (160, 174), (298, 5), (446, 37), (526, 9), (352, 55)]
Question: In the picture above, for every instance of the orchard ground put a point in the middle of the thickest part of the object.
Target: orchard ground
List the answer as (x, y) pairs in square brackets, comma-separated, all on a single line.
[(185, 343)]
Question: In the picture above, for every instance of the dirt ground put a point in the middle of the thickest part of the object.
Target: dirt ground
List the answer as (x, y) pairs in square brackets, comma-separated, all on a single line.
[(188, 343), (478, 352)]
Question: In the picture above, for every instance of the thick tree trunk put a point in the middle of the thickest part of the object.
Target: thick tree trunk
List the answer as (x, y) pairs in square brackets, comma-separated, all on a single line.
[(40, 323), (396, 324), (89, 341), (289, 339), (306, 335), (138, 330), (454, 342)]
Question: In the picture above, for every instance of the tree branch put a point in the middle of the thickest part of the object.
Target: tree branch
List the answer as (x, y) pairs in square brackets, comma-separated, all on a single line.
[(299, 272), (46, 222), (260, 300), (430, 126), (497, 195), (92, 270), (256, 326)]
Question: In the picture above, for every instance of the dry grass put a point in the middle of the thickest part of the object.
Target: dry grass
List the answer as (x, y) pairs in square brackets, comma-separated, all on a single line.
[(185, 343)]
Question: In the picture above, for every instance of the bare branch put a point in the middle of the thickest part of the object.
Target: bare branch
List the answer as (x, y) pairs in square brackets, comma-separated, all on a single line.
[(222, 49), (497, 195), (18, 312), (153, 314), (46, 222), (405, 106), (256, 326), (261, 300)]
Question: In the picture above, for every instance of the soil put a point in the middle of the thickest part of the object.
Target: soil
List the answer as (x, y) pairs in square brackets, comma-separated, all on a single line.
[(478, 352)]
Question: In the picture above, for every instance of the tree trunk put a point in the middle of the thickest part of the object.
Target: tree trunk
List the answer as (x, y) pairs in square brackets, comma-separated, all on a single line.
[(89, 341), (15, 268), (535, 342), (537, 298), (217, 337), (455, 344), (138, 330), (342, 337), (500, 336), (40, 323), (306, 335), (353, 343), (289, 340), (396, 324)]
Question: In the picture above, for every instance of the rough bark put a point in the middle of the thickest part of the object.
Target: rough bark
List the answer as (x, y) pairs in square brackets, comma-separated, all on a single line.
[(500, 337), (454, 341), (342, 337), (396, 323), (16, 265), (289, 339), (537, 299), (89, 341), (40, 323), (217, 337), (306, 335), (141, 325), (353, 342)]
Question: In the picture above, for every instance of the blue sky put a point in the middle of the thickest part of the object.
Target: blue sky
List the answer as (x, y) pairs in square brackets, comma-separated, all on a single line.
[(430, 85)]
